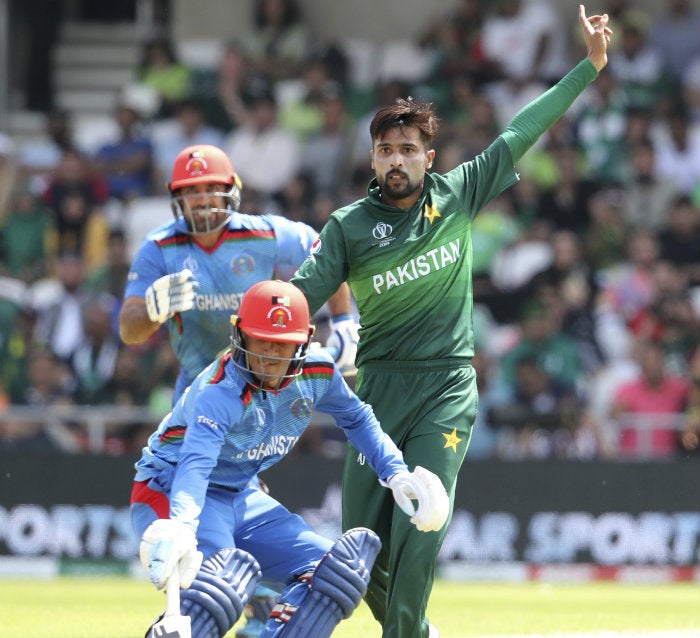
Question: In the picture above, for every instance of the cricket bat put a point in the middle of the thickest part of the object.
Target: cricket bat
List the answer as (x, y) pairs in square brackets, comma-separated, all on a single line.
[(173, 624)]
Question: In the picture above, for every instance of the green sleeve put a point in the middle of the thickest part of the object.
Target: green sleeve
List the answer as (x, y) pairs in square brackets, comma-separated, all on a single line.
[(535, 118), (321, 274)]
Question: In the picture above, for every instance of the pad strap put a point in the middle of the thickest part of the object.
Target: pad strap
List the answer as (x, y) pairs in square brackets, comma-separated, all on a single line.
[(313, 609)]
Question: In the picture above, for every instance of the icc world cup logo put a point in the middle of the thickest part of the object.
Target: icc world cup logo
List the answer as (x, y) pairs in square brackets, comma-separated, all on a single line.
[(382, 231)]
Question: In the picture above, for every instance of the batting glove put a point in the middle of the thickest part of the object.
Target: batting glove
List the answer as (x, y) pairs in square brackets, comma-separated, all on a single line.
[(426, 488), (170, 294), (167, 545), (342, 342)]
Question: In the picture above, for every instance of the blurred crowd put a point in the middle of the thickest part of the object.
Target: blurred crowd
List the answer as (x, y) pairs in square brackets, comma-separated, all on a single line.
[(586, 272)]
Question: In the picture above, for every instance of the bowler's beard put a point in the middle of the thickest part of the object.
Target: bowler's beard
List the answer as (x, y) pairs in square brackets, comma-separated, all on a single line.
[(397, 191)]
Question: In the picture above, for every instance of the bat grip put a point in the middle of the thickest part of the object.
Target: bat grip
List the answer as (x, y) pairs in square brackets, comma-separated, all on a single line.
[(172, 594)]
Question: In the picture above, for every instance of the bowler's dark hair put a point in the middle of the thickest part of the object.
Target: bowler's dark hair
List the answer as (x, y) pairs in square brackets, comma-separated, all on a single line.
[(408, 113)]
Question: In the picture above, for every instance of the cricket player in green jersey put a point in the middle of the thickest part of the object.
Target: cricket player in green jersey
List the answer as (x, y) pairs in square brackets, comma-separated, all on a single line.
[(405, 250)]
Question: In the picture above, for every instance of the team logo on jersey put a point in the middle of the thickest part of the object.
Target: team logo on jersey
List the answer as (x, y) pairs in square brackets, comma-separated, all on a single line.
[(431, 212), (382, 233), (302, 407), (243, 264), (316, 246), (452, 440)]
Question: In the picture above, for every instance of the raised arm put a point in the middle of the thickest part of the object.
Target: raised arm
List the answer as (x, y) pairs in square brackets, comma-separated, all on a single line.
[(596, 34)]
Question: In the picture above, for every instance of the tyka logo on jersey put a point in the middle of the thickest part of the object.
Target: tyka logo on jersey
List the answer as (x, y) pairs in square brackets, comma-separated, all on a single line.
[(382, 233)]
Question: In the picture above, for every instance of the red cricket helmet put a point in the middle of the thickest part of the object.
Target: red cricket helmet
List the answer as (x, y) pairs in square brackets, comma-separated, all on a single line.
[(275, 310), (204, 164), (271, 310)]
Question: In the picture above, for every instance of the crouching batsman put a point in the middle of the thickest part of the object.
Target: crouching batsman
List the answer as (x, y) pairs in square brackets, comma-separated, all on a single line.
[(205, 527)]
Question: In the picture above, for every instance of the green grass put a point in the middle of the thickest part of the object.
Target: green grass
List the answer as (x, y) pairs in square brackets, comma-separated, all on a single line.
[(114, 607)]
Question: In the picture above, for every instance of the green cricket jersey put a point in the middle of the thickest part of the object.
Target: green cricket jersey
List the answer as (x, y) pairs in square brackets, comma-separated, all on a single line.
[(410, 270)]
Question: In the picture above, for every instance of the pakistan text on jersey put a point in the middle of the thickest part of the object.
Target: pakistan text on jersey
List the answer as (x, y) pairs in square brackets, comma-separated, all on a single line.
[(418, 267), (218, 302), (276, 445)]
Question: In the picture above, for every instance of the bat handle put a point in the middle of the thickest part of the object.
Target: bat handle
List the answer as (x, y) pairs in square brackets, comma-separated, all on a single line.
[(172, 594)]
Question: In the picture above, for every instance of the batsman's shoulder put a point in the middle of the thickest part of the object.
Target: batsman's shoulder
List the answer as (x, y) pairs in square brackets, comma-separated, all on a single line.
[(318, 367), (163, 231), (317, 354)]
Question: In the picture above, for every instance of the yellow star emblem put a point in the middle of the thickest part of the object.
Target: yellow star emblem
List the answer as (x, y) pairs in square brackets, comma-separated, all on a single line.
[(452, 439), (431, 212)]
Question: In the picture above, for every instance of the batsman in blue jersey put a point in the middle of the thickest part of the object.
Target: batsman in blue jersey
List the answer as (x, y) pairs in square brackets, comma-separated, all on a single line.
[(191, 273), (192, 502)]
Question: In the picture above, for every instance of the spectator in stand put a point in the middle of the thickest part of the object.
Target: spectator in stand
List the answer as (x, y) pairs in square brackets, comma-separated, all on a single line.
[(169, 137), (564, 205), (27, 237), (16, 328), (542, 339), (111, 277), (690, 90), (689, 439), (324, 156), (605, 236), (39, 156), (524, 42), (302, 114), (680, 238), (44, 387), (681, 330), (628, 285), (125, 163), (601, 128), (57, 302), (669, 318), (129, 385), (648, 196), (455, 41), (677, 151), (470, 131), (8, 170), (293, 201), (648, 409), (493, 229), (280, 40), (267, 155), (161, 70), (50, 383), (93, 362), (635, 63), (674, 35), (21, 436), (569, 288), (221, 93), (75, 195), (540, 416)]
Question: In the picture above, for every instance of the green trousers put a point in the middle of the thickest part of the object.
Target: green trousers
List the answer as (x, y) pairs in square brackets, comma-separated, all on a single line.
[(428, 409)]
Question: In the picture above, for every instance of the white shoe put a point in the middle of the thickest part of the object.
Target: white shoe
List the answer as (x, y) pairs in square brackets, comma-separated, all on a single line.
[(432, 631)]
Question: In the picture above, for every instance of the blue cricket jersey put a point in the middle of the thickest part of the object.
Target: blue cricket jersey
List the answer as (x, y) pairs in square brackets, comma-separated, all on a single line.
[(251, 248), (223, 431)]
